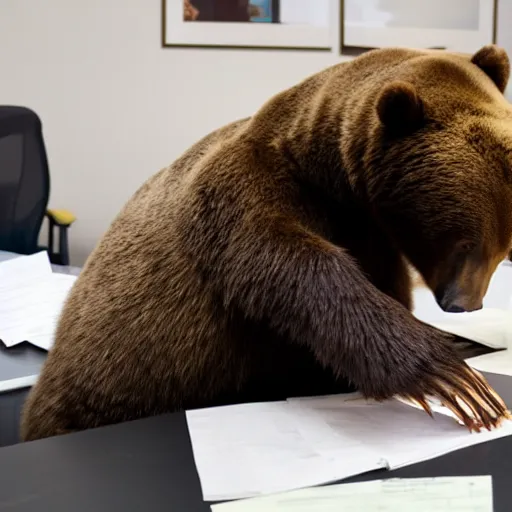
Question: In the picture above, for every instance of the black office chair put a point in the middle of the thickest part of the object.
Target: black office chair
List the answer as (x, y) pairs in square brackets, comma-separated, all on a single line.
[(25, 188)]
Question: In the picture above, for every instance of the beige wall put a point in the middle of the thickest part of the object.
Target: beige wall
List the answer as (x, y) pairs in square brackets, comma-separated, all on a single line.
[(116, 107)]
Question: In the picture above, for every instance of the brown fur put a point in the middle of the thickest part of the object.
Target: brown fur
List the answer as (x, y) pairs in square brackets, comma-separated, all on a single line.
[(271, 259)]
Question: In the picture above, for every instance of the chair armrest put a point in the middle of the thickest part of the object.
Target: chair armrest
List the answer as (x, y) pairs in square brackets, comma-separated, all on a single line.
[(61, 217), (62, 220)]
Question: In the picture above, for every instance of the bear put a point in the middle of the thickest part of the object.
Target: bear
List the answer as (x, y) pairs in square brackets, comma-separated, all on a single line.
[(271, 259)]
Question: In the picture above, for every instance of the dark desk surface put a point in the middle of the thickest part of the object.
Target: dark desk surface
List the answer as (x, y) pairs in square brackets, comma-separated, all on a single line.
[(147, 465)]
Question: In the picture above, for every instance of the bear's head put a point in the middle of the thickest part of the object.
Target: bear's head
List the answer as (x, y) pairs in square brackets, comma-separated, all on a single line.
[(443, 153)]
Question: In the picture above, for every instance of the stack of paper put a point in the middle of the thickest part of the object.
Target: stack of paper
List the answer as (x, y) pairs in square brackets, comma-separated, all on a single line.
[(443, 494), (255, 449), (31, 300)]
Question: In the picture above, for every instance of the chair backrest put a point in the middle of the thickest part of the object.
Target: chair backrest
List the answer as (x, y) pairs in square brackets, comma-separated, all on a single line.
[(24, 179)]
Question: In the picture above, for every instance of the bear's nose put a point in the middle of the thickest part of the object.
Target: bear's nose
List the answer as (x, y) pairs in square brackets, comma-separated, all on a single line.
[(455, 309), (452, 299), (446, 297)]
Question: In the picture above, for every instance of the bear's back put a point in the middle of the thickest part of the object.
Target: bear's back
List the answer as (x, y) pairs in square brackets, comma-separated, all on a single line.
[(137, 290)]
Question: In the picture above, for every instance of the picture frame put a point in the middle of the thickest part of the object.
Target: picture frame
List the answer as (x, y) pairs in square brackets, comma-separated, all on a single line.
[(216, 31), (466, 34)]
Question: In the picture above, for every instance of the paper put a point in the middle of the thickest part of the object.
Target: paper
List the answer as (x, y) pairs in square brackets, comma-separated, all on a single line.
[(396, 432), (255, 449), (497, 362), (489, 327), (31, 300), (22, 270), (443, 494), (251, 449)]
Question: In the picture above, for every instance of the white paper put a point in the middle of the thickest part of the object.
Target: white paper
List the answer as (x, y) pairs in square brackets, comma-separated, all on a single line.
[(442, 494), (497, 362), (398, 433), (251, 449), (489, 327), (31, 300), (22, 270), (256, 449)]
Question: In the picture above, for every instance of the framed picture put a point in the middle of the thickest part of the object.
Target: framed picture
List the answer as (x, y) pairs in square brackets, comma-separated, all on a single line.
[(274, 24), (456, 25)]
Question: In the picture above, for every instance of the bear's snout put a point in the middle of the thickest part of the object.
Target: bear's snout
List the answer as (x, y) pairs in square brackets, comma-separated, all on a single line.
[(452, 299)]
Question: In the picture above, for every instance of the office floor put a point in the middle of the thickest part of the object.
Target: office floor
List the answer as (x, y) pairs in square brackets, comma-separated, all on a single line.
[(11, 404)]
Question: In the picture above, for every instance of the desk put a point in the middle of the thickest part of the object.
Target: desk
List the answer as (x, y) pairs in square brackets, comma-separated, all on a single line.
[(19, 368), (148, 465)]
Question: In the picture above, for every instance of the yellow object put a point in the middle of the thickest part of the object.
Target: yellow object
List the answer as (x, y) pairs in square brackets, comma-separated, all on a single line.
[(61, 217)]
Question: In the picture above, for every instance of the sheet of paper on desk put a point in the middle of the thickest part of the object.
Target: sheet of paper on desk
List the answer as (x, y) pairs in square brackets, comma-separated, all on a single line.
[(497, 362), (398, 433), (444, 494), (246, 450), (31, 299), (24, 269), (256, 449)]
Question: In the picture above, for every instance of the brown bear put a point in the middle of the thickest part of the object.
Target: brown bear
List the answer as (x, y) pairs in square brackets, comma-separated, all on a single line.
[(271, 259)]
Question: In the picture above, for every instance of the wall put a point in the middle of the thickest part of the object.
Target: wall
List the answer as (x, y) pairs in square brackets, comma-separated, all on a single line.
[(116, 107), (504, 33)]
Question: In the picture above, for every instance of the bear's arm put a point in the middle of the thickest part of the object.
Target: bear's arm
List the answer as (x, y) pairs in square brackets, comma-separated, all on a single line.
[(277, 271)]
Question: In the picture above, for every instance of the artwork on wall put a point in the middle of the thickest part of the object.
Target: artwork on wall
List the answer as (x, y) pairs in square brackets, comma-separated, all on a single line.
[(277, 24), (457, 25)]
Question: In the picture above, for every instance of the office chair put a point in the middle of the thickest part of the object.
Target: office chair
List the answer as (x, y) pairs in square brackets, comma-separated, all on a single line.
[(25, 188)]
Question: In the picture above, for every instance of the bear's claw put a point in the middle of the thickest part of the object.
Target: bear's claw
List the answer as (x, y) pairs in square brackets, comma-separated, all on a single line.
[(468, 396)]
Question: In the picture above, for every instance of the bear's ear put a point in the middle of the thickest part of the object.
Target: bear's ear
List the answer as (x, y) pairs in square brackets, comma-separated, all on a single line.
[(494, 62), (399, 107)]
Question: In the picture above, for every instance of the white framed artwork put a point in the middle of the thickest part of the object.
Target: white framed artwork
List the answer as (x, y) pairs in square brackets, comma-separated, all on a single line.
[(455, 25), (263, 24)]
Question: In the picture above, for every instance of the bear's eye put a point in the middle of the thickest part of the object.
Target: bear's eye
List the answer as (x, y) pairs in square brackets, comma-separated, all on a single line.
[(467, 247)]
